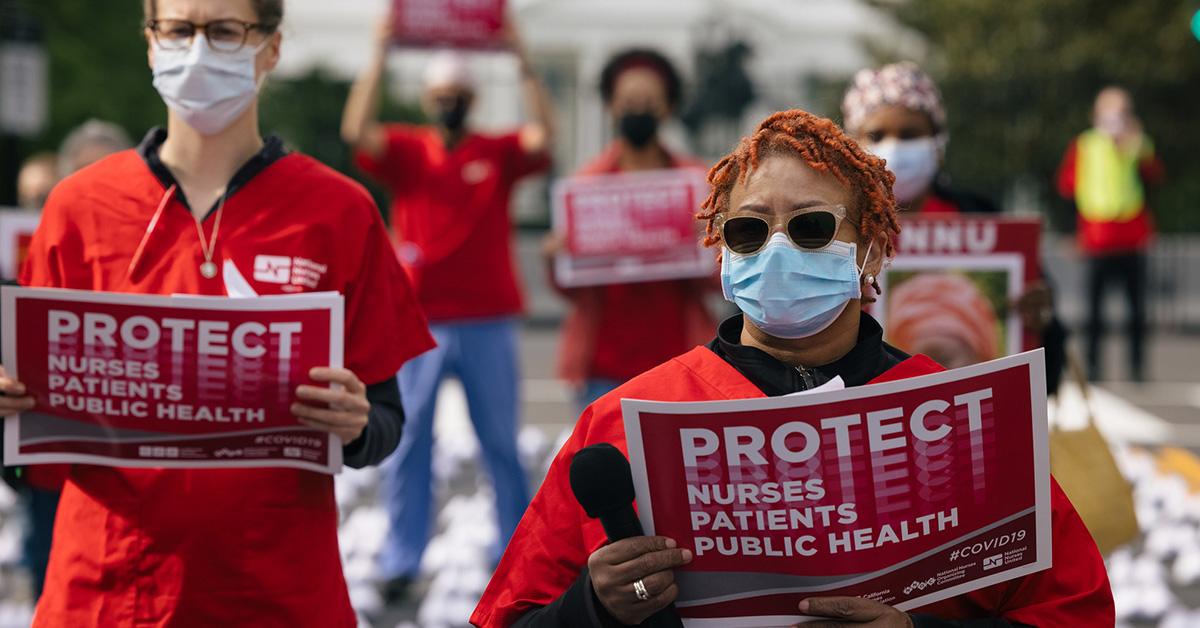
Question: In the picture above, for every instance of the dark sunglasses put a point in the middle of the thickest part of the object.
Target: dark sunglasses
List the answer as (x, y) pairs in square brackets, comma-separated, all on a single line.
[(811, 228)]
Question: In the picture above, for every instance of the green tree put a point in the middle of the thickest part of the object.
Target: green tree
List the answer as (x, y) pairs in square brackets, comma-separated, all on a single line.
[(98, 67), (306, 112), (1019, 77)]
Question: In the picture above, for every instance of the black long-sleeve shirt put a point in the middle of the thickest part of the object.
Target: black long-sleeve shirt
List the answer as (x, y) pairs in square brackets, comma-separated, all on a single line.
[(384, 425)]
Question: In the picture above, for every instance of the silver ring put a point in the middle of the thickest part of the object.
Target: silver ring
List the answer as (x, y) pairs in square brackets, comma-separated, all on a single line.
[(639, 589)]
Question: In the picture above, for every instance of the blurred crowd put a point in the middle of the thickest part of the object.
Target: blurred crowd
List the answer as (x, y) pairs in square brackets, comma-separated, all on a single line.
[(450, 192)]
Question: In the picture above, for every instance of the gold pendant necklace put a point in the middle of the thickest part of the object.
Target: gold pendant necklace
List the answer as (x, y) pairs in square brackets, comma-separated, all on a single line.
[(208, 269)]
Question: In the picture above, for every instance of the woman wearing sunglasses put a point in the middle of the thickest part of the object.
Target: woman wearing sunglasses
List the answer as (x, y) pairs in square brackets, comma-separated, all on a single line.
[(207, 206), (804, 218)]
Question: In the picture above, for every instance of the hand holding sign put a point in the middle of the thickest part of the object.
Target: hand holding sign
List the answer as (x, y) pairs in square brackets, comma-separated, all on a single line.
[(853, 610), (12, 396), (650, 560), (346, 411)]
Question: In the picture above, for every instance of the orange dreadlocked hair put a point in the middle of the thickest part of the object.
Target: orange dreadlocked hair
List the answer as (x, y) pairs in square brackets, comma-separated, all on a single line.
[(825, 148)]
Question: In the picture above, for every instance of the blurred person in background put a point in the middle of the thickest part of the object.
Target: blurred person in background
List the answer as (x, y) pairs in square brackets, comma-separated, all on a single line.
[(84, 145), (181, 214), (1105, 172), (37, 176), (38, 486), (602, 345), (451, 190), (90, 142), (804, 218), (896, 112)]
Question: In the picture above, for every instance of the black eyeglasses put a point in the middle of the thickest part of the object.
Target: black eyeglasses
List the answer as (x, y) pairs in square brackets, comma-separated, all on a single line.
[(810, 228), (226, 36)]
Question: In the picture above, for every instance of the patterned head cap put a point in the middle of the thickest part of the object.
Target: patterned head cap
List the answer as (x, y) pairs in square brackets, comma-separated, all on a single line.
[(903, 84)]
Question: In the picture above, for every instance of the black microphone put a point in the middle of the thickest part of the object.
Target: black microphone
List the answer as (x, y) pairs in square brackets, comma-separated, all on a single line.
[(603, 485)]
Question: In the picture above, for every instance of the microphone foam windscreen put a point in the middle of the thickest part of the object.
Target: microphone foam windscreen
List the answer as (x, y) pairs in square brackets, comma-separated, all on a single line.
[(601, 479)]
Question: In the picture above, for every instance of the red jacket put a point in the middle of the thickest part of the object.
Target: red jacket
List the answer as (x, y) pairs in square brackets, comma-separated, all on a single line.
[(554, 540)]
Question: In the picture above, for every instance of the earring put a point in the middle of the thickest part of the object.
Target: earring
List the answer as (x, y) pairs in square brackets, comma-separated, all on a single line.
[(869, 279)]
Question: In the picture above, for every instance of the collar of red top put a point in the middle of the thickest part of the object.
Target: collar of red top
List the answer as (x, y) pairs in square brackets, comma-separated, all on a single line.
[(271, 152), (869, 358), (608, 158)]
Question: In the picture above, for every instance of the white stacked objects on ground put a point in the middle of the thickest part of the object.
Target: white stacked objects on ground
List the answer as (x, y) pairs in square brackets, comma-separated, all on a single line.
[(1145, 574)]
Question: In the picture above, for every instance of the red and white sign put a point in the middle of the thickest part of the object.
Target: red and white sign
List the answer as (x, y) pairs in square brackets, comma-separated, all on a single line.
[(630, 227), (16, 231), (905, 492), (453, 23), (948, 292), (156, 381)]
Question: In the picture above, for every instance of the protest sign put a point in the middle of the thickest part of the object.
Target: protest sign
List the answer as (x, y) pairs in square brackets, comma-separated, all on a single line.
[(16, 231), (947, 293), (157, 381), (905, 492), (630, 227), (452, 23)]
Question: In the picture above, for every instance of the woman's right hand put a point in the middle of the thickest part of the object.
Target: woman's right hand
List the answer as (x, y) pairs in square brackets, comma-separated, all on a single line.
[(617, 566), (12, 396)]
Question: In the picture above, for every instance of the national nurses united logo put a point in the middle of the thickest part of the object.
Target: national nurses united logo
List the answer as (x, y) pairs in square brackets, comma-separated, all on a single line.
[(295, 273), (273, 269)]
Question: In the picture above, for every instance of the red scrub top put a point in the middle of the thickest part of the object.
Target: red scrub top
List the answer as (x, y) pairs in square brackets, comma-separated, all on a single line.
[(215, 547), (554, 540), (450, 217)]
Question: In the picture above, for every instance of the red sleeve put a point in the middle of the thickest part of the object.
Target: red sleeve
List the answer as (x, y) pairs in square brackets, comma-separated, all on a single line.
[(1151, 170), (1073, 592), (398, 139), (548, 550), (521, 163), (385, 326), (56, 251), (1064, 179)]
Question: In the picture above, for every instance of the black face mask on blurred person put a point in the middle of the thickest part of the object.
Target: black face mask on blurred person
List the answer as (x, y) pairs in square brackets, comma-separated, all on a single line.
[(638, 128), (453, 115)]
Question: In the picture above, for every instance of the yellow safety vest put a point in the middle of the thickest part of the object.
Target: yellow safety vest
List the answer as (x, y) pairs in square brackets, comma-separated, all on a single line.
[(1108, 187)]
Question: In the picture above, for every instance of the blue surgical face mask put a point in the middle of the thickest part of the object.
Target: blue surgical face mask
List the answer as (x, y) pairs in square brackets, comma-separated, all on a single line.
[(789, 292), (208, 90)]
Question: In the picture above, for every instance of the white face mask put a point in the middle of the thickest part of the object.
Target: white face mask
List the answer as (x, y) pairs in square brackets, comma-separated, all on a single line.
[(208, 90), (914, 162)]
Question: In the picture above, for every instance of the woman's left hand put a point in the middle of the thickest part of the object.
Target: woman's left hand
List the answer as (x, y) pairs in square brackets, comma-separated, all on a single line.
[(860, 611), (341, 412)]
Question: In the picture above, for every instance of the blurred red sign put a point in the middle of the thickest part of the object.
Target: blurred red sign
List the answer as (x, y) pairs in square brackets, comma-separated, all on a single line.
[(453, 23), (628, 227)]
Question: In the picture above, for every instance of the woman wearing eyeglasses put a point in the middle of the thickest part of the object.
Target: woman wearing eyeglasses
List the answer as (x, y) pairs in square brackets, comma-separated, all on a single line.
[(804, 217), (209, 207)]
